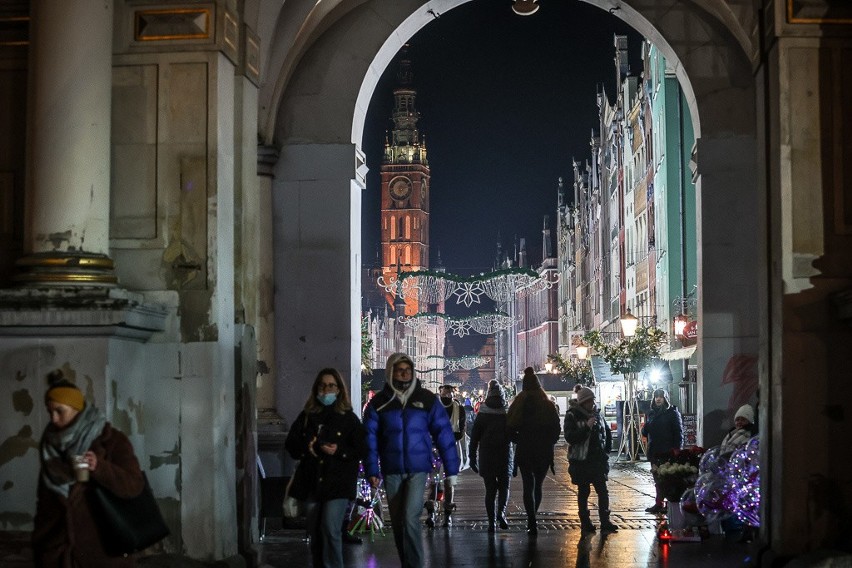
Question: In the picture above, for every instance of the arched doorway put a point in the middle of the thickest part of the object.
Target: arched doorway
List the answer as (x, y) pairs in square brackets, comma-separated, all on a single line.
[(320, 175), (317, 117)]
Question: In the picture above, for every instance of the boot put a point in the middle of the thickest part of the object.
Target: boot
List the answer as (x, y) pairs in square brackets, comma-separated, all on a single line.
[(449, 509), (489, 510), (532, 527), (431, 514), (586, 524), (658, 507), (606, 524), (501, 519)]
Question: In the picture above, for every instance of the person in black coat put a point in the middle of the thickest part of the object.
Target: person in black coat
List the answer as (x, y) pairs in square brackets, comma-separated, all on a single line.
[(491, 454), (664, 429), (533, 423), (589, 443), (329, 441)]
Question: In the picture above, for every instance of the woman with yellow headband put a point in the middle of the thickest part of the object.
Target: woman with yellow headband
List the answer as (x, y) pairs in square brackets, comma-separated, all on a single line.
[(65, 532)]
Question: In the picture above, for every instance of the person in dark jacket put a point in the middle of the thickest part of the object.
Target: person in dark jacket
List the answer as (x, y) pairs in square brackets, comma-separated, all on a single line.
[(456, 414), (328, 440), (491, 454), (664, 429), (65, 532), (403, 421), (589, 443), (533, 423)]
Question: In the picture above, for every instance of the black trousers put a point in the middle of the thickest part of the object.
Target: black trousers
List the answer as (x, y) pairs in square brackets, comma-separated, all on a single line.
[(533, 478)]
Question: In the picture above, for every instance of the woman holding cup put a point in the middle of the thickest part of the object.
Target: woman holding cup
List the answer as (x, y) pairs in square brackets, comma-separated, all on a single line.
[(77, 446)]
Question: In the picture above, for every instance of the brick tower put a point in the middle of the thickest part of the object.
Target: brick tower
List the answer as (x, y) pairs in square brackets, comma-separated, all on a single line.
[(405, 188)]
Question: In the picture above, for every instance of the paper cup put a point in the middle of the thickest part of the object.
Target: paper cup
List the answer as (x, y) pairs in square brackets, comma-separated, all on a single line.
[(81, 468)]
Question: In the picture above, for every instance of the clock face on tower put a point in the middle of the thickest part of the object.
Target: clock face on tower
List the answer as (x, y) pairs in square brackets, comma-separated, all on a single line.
[(400, 188)]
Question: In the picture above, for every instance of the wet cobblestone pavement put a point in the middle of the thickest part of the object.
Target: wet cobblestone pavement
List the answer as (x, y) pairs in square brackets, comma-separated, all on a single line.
[(468, 544), (559, 542)]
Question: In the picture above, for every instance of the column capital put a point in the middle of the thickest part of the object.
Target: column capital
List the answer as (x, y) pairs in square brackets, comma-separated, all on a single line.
[(267, 157)]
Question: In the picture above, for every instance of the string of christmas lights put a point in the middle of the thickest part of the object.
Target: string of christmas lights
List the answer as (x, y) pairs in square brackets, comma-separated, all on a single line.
[(432, 287), (484, 323), (450, 364)]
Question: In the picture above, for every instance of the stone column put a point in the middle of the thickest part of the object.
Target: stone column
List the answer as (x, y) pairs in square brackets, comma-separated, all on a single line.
[(69, 144), (267, 157), (729, 279), (317, 257)]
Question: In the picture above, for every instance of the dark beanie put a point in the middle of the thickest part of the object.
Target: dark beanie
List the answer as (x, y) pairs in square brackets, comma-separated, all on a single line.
[(494, 389), (530, 381)]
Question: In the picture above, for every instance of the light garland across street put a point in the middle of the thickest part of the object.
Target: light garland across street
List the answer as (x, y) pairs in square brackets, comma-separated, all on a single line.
[(484, 323), (450, 364), (432, 287)]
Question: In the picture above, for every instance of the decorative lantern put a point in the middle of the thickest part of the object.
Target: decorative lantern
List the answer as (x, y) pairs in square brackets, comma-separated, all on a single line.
[(582, 350), (629, 323), (680, 322), (525, 7)]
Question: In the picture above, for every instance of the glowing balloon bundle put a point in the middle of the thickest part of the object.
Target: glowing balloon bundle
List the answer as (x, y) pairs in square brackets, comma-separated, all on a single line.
[(729, 484)]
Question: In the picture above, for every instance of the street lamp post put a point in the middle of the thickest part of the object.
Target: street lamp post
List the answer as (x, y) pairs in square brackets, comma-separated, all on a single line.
[(631, 436)]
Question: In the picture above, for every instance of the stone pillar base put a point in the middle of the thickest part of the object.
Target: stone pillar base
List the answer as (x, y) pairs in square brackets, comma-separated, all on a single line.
[(66, 269)]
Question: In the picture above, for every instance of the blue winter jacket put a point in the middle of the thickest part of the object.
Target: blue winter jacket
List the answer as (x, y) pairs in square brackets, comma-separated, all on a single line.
[(401, 438)]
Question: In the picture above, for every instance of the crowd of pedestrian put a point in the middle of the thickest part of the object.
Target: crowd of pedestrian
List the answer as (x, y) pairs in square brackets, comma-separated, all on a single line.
[(408, 437)]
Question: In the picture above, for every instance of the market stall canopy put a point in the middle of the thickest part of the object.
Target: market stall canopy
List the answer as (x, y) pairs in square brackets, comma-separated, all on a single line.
[(602, 373)]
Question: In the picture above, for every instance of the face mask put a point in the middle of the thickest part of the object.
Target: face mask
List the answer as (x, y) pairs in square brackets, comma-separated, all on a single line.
[(402, 385), (327, 399)]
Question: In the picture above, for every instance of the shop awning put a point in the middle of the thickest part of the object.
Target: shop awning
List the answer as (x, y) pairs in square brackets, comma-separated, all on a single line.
[(677, 354)]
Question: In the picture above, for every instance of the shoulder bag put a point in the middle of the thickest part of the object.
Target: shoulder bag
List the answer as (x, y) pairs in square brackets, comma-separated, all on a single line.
[(579, 452), (128, 525)]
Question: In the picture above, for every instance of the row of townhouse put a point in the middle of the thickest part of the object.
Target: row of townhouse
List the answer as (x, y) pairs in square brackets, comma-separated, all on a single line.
[(626, 237)]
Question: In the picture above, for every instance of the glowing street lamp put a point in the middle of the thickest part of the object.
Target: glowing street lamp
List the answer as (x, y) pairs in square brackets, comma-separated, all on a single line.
[(629, 323), (525, 7), (548, 367), (582, 350), (680, 322)]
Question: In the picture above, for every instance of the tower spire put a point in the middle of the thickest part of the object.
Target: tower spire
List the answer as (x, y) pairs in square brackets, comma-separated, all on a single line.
[(406, 144)]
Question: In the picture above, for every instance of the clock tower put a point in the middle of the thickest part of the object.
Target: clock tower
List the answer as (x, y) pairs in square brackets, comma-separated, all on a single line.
[(405, 188)]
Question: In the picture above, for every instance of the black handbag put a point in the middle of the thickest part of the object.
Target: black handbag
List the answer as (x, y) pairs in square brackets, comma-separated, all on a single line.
[(128, 525)]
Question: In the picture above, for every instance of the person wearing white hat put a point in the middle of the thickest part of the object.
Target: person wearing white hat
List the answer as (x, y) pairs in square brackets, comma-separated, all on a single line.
[(744, 428), (589, 443)]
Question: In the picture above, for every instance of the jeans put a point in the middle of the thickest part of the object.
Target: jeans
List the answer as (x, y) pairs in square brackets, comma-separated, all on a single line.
[(533, 477), (324, 520), (405, 502)]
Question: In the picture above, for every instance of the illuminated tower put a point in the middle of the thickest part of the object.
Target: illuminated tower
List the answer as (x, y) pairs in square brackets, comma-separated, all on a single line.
[(405, 188)]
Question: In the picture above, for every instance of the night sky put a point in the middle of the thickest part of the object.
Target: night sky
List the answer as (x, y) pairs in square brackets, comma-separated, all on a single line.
[(506, 101)]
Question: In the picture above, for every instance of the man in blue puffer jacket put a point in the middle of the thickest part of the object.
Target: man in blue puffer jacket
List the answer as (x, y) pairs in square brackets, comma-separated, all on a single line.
[(403, 421)]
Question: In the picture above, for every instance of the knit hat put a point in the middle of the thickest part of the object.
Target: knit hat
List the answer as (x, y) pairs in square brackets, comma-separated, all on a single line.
[(530, 381), (494, 389), (63, 391), (585, 394), (747, 412)]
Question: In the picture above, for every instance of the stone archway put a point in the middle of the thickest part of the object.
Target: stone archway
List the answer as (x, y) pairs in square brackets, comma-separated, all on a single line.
[(320, 175), (318, 123)]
